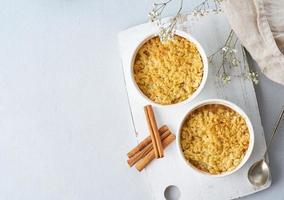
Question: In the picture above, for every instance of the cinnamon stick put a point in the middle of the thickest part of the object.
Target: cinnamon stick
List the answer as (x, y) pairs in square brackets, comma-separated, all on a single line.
[(141, 164), (145, 142), (140, 154), (155, 131), (152, 134)]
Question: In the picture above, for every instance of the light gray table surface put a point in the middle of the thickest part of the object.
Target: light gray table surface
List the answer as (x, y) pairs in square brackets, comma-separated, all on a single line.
[(65, 123)]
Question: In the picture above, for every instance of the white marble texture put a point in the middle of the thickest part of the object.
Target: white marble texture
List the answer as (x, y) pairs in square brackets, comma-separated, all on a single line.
[(64, 118)]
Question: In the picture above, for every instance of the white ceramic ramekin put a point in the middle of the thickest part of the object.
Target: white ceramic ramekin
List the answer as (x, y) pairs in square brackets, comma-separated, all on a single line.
[(235, 108), (204, 60)]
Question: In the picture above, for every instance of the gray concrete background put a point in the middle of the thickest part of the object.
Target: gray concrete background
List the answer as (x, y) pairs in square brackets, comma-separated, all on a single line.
[(64, 120)]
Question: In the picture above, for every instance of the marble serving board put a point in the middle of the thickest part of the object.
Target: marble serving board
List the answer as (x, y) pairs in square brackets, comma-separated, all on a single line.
[(211, 31)]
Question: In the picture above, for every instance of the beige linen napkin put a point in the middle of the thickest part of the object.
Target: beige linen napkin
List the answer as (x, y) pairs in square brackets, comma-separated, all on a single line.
[(259, 24)]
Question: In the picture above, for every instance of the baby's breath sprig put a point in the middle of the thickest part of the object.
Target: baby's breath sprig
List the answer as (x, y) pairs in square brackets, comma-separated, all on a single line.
[(249, 74), (206, 7), (229, 59), (166, 29), (157, 10)]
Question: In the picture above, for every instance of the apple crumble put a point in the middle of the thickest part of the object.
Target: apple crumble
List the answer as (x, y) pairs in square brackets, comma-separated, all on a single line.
[(168, 73), (214, 138)]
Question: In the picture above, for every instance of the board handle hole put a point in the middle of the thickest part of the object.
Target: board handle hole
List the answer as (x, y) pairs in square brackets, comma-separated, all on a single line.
[(172, 192)]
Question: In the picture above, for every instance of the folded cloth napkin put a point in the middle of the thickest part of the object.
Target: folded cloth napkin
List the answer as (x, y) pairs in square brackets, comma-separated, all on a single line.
[(259, 24)]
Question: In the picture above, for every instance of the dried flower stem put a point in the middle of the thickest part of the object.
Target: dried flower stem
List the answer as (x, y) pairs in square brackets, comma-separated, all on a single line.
[(166, 29), (229, 60), (157, 10), (206, 7)]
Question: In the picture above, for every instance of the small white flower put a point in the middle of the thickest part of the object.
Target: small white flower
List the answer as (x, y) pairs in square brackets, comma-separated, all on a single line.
[(235, 62), (253, 76), (226, 78), (225, 49), (152, 15)]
